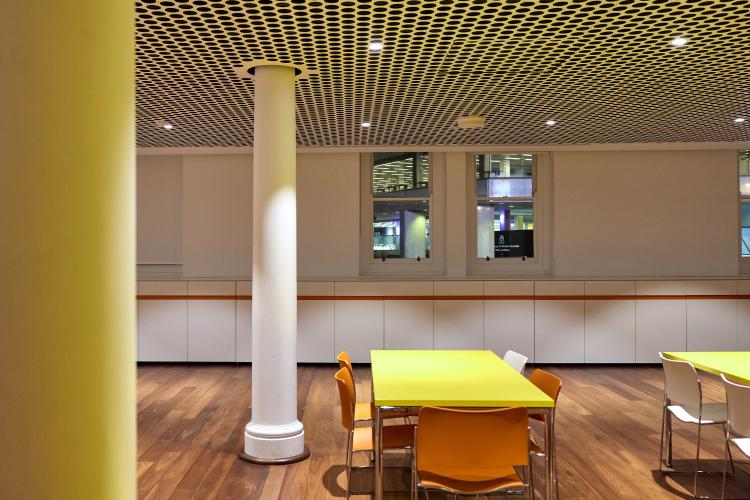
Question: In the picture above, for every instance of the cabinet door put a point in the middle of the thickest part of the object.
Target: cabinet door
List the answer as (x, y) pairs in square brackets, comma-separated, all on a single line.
[(408, 324), (559, 323), (315, 324), (162, 323), (211, 330), (509, 324), (211, 322), (359, 328), (459, 324), (244, 322), (162, 330), (559, 333), (610, 322), (712, 323), (660, 327)]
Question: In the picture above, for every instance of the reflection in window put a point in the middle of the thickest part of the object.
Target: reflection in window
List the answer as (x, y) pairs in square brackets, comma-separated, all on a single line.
[(401, 205), (745, 202), (505, 205), (505, 229)]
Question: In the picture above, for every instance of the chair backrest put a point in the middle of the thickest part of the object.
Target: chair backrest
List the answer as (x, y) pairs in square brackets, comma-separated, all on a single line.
[(548, 383), (345, 362), (451, 441), (738, 407), (346, 395), (681, 382), (516, 360)]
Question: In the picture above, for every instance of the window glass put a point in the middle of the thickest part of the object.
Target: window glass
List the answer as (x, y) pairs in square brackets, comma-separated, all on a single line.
[(745, 173), (401, 229), (505, 205), (400, 175), (401, 205), (505, 229)]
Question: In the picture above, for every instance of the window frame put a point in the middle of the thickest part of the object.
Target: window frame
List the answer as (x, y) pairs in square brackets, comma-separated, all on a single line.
[(541, 199), (744, 260), (432, 265)]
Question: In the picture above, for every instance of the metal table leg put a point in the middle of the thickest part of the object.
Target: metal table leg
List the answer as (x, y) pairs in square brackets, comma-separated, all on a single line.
[(548, 446), (378, 454)]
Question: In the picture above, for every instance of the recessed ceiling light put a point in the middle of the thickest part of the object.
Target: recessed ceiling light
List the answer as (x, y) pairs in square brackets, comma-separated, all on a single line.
[(551, 123), (739, 120), (168, 126), (679, 41), (376, 46), (365, 124)]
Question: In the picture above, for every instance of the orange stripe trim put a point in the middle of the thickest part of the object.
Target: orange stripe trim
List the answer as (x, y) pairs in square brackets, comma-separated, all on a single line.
[(456, 297)]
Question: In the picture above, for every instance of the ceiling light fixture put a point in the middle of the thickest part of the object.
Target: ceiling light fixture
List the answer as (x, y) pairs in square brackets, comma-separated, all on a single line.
[(550, 123), (679, 41), (167, 125), (471, 121), (365, 124), (739, 120), (375, 46)]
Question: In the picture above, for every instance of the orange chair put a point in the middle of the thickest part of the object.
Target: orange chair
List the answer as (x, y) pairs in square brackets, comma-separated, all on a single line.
[(362, 439), (472, 451), (363, 412), (550, 385)]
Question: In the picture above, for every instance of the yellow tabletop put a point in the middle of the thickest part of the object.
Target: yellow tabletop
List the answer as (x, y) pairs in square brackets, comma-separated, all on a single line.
[(451, 378), (734, 364)]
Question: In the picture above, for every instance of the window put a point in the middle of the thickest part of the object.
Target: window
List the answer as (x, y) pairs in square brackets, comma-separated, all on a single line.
[(504, 194), (745, 203), (401, 205)]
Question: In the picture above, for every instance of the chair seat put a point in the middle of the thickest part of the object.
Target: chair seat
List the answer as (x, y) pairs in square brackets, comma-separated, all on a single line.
[(394, 436), (743, 444), (713, 413), (363, 412), (471, 481)]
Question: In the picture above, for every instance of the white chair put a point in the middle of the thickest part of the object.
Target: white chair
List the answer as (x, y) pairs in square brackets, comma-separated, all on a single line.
[(738, 422), (517, 361), (683, 385)]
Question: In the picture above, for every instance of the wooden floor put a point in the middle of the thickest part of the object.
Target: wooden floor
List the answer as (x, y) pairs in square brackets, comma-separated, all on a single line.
[(191, 419)]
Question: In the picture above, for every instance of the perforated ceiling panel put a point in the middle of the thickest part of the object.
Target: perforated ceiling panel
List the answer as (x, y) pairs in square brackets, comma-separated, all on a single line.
[(604, 70)]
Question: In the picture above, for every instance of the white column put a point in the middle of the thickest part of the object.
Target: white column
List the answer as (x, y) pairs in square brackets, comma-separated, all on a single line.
[(274, 434)]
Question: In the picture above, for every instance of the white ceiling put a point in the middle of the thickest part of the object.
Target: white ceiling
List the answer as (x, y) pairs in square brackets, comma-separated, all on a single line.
[(604, 70)]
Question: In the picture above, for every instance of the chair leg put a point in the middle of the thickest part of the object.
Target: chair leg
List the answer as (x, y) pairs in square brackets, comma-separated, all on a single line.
[(531, 479), (697, 462), (669, 438), (553, 457), (661, 436), (724, 468), (349, 446)]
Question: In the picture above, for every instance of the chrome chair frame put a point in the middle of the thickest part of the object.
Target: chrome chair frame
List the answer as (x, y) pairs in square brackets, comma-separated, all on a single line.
[(728, 432), (666, 427)]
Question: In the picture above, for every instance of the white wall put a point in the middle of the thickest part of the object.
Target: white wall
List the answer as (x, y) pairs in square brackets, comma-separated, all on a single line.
[(328, 215), (217, 214), (616, 213), (655, 213), (159, 207)]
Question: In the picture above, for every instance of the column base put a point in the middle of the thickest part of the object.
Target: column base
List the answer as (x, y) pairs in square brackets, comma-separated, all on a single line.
[(274, 444)]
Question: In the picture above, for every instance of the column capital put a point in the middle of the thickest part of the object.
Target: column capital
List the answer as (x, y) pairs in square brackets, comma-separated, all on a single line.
[(247, 70)]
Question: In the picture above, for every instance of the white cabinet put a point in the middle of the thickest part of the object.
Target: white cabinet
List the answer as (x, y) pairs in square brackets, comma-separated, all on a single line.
[(162, 323), (211, 321), (660, 319), (609, 322), (509, 322), (459, 324), (315, 324), (358, 323), (244, 322), (559, 322), (408, 322), (712, 322)]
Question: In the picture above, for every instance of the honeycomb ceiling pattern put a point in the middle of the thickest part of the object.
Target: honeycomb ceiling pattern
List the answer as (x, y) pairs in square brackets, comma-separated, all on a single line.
[(604, 70)]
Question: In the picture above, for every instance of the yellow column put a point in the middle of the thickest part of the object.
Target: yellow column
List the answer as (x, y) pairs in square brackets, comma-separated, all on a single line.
[(67, 286)]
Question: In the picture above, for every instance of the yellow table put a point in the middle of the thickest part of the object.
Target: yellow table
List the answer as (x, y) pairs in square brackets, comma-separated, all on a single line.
[(734, 364), (413, 379)]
